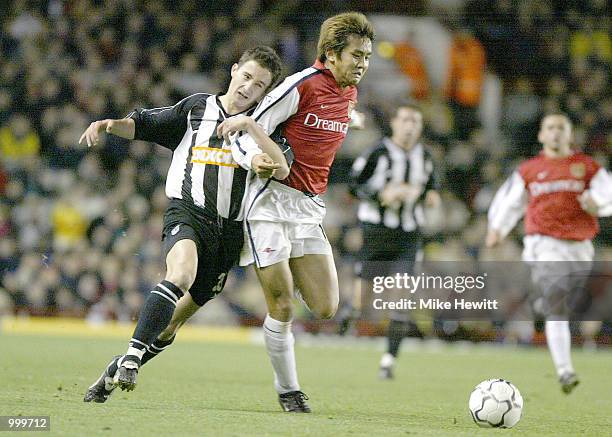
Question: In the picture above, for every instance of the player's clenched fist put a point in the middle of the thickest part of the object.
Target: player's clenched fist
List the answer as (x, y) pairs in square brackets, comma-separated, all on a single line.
[(232, 125), (493, 238), (588, 204), (264, 166), (395, 193)]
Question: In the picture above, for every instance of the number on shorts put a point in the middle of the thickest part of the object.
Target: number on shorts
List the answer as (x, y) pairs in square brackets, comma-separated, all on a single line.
[(220, 281)]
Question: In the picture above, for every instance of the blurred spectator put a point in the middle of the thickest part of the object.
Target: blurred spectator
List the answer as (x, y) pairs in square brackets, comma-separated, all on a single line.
[(464, 81), (5, 223), (69, 225), (591, 42), (6, 101), (411, 63), (18, 141), (289, 48), (521, 117), (555, 59), (3, 180), (494, 23), (25, 25)]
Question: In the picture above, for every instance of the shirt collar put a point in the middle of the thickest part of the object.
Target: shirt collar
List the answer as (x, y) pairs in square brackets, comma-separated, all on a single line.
[(572, 153), (319, 65), (398, 149), (323, 69)]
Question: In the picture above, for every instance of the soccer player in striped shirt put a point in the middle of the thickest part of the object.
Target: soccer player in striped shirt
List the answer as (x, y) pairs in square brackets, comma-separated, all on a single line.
[(393, 180), (202, 235)]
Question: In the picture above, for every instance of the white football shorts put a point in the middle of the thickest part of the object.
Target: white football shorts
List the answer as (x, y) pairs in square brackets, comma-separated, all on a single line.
[(560, 269), (544, 248), (282, 223)]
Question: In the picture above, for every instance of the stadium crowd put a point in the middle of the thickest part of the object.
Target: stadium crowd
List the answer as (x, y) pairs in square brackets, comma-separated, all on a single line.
[(80, 229)]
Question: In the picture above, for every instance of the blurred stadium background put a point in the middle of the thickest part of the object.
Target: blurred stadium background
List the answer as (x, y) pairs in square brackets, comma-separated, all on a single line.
[(80, 229)]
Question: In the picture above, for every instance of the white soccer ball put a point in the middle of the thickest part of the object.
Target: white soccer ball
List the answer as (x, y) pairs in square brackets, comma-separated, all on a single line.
[(496, 403)]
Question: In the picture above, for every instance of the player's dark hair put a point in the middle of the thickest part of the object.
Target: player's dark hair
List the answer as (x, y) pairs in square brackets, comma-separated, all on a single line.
[(267, 58), (335, 32), (405, 104)]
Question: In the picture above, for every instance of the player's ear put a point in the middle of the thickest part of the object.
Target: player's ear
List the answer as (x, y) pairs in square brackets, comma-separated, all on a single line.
[(235, 68), (331, 55)]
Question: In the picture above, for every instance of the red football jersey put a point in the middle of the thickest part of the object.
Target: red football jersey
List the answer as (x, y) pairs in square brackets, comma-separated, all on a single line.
[(553, 186), (313, 113)]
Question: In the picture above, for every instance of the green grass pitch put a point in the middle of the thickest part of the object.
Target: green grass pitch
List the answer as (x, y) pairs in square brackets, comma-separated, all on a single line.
[(212, 389)]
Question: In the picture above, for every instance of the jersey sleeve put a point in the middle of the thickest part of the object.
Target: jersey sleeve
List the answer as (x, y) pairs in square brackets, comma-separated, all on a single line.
[(362, 184), (433, 182), (165, 126), (600, 189), (284, 145), (508, 205), (277, 107)]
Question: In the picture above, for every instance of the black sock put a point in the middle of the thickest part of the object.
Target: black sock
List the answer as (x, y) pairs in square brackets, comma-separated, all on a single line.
[(395, 335), (155, 349), (155, 315)]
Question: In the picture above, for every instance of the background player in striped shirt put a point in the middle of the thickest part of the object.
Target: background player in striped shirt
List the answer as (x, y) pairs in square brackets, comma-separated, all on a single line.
[(562, 192), (202, 233), (393, 179), (283, 220)]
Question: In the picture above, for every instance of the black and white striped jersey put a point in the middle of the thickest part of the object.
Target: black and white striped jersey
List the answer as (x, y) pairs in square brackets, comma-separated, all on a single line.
[(388, 163), (202, 171)]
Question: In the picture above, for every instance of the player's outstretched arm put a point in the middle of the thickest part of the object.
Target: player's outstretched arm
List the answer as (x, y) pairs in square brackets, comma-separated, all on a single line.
[(362, 183), (357, 120), (507, 208), (124, 128), (493, 238)]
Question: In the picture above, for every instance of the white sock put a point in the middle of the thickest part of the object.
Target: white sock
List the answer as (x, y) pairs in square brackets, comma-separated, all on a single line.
[(279, 344), (559, 342), (135, 351)]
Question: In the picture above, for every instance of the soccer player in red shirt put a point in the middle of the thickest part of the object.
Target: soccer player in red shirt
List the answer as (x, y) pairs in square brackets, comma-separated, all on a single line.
[(561, 192), (283, 219)]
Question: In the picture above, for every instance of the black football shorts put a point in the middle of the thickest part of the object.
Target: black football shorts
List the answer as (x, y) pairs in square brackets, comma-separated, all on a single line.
[(386, 251), (218, 242)]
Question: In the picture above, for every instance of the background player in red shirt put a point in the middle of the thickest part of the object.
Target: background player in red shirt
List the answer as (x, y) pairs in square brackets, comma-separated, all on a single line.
[(283, 219), (563, 192)]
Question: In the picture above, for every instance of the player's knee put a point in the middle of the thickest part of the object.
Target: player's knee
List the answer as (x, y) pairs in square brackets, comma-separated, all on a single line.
[(182, 278), (325, 309)]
